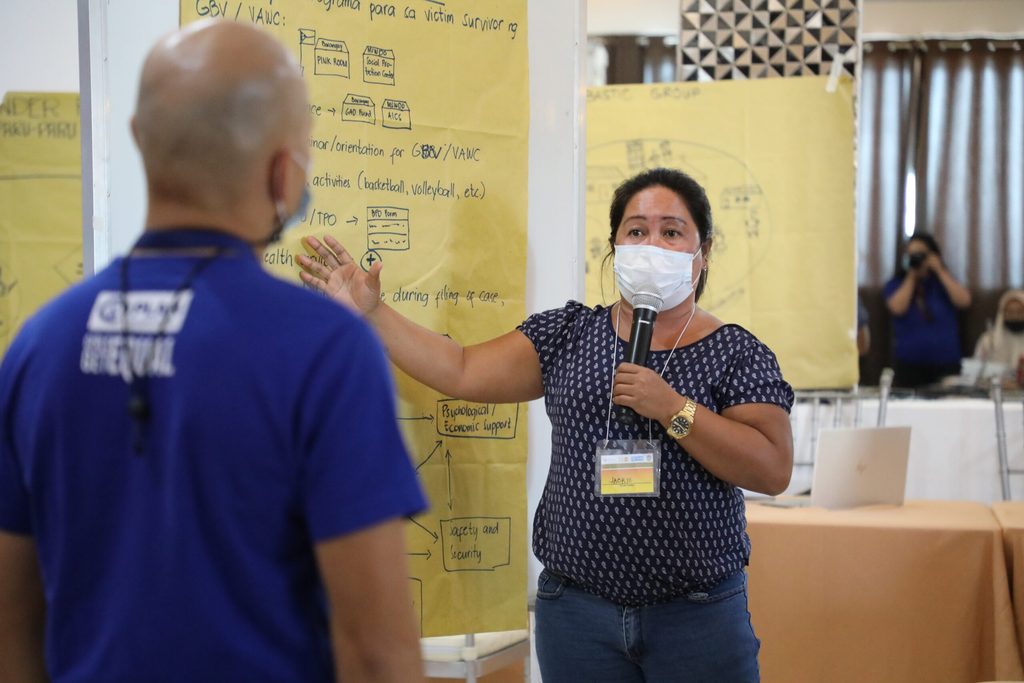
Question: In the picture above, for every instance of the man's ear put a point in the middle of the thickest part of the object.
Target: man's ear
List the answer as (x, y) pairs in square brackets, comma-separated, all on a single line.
[(278, 179)]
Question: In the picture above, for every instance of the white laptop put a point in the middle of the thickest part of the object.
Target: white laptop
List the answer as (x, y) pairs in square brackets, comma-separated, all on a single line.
[(863, 466)]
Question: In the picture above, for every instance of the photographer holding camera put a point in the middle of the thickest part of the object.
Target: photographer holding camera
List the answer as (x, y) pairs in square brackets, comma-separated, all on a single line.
[(924, 299)]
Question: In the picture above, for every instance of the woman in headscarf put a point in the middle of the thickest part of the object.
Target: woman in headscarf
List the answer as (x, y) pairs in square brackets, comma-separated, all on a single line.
[(1004, 341)]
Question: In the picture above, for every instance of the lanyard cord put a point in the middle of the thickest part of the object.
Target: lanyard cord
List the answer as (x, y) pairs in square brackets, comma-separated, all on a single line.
[(138, 400), (615, 350)]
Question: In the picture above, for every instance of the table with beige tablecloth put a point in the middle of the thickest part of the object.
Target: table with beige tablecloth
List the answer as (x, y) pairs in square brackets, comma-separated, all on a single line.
[(1011, 518), (883, 593)]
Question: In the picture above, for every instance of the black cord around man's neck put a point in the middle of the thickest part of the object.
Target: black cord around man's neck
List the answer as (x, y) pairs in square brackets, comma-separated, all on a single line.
[(139, 408)]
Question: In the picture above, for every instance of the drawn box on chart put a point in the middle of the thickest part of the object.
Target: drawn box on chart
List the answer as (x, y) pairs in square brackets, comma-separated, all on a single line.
[(601, 183), (740, 197), (359, 109), (331, 58), (466, 420), (395, 114), (387, 228), (378, 65), (476, 544)]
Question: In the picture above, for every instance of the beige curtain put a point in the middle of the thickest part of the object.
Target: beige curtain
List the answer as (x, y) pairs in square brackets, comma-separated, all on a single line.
[(971, 158), (640, 59), (883, 154)]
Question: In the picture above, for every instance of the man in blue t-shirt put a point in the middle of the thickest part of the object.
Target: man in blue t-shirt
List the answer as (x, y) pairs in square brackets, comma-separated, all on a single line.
[(200, 467)]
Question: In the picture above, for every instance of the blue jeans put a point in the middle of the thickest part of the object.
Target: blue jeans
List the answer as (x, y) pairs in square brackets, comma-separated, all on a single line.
[(698, 637)]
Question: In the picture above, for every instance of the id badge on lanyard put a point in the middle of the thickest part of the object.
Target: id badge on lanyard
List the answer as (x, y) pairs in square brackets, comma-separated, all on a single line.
[(630, 467), (627, 467)]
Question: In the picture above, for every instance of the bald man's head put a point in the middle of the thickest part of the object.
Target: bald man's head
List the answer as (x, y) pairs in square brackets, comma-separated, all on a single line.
[(216, 100)]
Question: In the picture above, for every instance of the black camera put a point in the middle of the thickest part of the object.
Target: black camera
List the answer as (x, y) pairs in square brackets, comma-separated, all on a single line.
[(916, 260)]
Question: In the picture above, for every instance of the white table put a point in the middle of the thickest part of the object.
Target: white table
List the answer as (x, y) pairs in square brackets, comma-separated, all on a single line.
[(953, 451)]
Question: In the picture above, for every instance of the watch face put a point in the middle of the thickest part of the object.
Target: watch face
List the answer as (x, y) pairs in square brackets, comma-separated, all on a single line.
[(680, 425)]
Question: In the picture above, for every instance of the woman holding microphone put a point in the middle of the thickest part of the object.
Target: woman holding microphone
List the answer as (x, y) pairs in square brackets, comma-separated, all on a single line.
[(644, 574)]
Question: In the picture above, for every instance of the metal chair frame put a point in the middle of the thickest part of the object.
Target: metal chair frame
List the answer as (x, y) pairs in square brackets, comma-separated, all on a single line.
[(1005, 471), (838, 398)]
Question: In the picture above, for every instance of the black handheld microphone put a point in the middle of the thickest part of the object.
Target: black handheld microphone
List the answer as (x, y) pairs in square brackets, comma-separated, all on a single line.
[(645, 310)]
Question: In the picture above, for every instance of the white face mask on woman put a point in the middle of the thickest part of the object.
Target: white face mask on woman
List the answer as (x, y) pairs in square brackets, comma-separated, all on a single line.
[(645, 269)]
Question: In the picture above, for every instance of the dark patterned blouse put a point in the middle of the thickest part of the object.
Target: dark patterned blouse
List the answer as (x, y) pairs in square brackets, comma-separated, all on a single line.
[(636, 550)]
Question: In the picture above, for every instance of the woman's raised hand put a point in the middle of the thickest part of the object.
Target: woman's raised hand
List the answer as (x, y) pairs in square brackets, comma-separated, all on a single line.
[(337, 275)]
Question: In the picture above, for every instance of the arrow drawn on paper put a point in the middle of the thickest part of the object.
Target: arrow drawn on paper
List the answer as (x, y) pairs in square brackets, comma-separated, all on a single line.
[(437, 445), (448, 460), (432, 534)]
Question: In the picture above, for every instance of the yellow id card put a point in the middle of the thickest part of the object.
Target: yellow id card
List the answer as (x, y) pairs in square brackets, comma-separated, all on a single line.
[(628, 468)]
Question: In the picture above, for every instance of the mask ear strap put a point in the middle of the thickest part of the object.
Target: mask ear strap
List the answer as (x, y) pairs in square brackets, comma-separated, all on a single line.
[(277, 179)]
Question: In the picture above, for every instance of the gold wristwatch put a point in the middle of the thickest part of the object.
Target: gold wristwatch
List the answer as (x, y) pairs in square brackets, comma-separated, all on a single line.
[(680, 424)]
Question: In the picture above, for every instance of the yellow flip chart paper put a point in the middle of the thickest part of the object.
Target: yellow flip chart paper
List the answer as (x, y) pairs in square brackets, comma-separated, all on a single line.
[(419, 148), (776, 158), (40, 203)]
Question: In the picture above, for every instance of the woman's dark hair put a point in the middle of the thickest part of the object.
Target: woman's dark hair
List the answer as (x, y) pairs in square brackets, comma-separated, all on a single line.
[(688, 190), (928, 240)]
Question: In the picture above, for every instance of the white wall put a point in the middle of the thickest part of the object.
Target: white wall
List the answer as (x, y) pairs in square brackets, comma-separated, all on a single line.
[(881, 18), (900, 18), (554, 263), (633, 17), (38, 45)]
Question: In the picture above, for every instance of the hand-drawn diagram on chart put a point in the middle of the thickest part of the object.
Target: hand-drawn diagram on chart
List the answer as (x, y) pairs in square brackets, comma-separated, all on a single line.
[(395, 114), (775, 156), (387, 228), (419, 150), (378, 65), (331, 57), (447, 538), (40, 203), (738, 203), (358, 109)]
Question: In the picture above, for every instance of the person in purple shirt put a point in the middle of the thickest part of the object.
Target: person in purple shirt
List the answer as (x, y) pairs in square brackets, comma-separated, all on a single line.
[(924, 300)]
